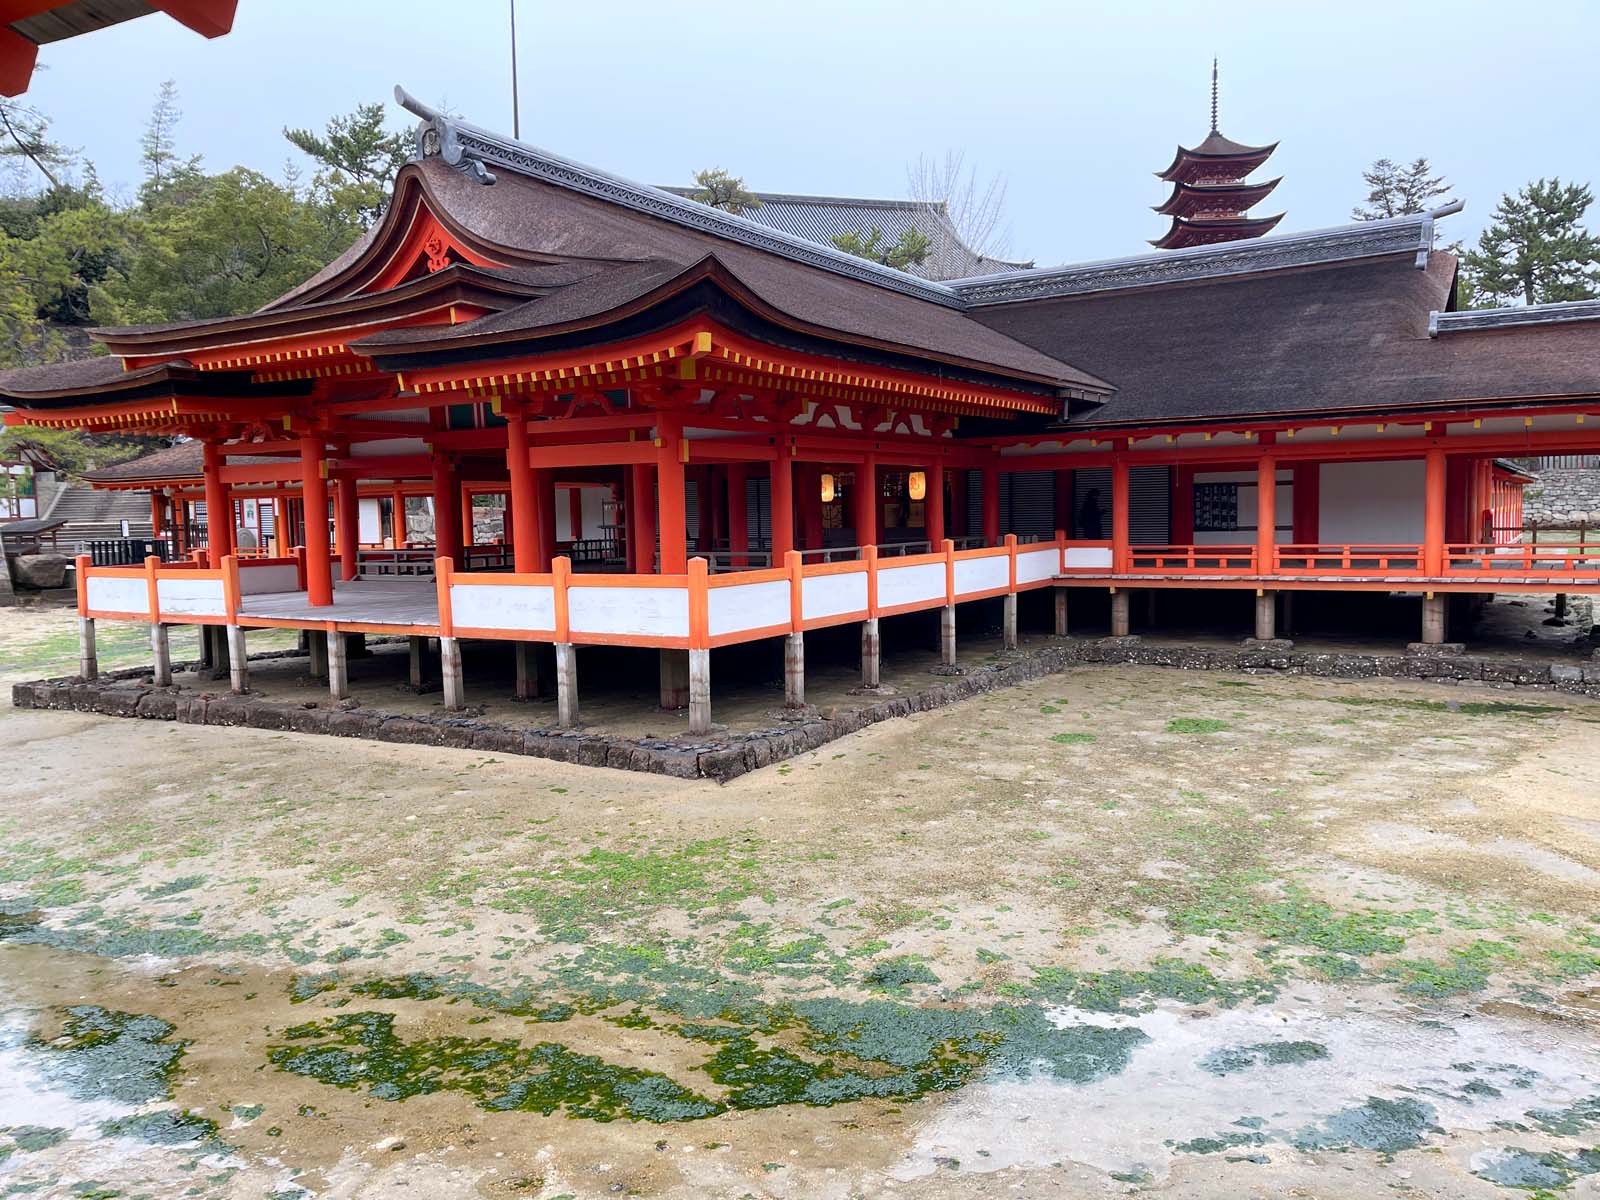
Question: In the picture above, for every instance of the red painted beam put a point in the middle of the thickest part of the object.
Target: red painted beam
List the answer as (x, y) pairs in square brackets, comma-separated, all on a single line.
[(17, 57), (210, 18)]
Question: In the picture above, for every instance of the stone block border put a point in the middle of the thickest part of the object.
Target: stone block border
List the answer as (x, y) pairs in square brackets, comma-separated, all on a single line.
[(128, 693)]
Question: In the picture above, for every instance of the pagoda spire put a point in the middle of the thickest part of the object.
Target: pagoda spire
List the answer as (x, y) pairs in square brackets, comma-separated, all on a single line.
[(1211, 195)]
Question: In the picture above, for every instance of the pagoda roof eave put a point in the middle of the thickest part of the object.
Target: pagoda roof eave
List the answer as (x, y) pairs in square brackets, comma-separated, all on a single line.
[(1185, 233), (1246, 194), (1216, 149)]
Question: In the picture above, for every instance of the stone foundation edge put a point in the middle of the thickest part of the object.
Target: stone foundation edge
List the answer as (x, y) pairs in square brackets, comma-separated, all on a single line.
[(128, 693)]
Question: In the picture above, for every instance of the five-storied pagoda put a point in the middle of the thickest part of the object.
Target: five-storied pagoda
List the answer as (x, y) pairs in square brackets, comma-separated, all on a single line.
[(1211, 197)]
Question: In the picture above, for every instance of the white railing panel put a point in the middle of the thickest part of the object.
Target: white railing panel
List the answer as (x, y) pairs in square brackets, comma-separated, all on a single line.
[(1089, 557), (919, 584), (1034, 565), (630, 611), (278, 577), (823, 596), (191, 597), (743, 606), (982, 574), (118, 595), (503, 606)]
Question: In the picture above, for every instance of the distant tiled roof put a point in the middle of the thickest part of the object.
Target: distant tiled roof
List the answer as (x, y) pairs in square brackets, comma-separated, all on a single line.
[(822, 218)]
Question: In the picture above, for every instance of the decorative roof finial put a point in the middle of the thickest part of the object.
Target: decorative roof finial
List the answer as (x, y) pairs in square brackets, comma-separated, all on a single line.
[(1213, 95)]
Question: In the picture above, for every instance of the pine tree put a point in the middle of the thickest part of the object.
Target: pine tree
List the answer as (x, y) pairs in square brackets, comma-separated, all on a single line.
[(1535, 249), (909, 250), (1396, 191), (358, 158), (719, 189), (157, 149)]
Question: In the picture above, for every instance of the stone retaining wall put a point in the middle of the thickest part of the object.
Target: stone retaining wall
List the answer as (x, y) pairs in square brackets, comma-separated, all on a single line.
[(1563, 495), (129, 693)]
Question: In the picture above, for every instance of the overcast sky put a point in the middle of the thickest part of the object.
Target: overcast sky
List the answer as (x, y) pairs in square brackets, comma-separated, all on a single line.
[(1075, 104)]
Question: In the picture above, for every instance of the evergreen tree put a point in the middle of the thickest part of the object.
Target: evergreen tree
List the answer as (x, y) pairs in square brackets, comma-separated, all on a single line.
[(164, 171), (26, 139), (909, 250), (719, 189), (1396, 191), (1536, 249), (357, 158)]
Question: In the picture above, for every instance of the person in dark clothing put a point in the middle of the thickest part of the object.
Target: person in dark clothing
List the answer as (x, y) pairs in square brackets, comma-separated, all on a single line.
[(1089, 526)]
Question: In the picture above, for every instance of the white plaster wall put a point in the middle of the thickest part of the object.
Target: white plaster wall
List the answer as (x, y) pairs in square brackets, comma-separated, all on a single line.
[(118, 595), (487, 606), (747, 606), (1371, 502), (829, 595), (981, 574), (1034, 565), (639, 612), (191, 597), (371, 521), (918, 584)]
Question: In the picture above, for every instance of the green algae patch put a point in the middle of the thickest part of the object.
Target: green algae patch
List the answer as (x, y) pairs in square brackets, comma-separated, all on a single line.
[(361, 1051), (1471, 708), (1531, 1170), (1217, 1143), (1386, 1126), (894, 975), (102, 1054), (164, 1127), (1124, 991), (1230, 1060), (1072, 739)]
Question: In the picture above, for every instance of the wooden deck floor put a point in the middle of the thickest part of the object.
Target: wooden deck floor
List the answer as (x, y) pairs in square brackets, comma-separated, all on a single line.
[(409, 603)]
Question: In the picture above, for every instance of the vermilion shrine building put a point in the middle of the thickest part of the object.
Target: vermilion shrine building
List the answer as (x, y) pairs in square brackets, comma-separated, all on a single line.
[(711, 432)]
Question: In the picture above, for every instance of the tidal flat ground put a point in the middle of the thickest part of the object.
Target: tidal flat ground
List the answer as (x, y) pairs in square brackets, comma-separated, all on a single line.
[(1121, 931)]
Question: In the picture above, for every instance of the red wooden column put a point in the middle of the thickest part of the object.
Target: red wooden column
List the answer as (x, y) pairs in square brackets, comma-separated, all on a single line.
[(738, 515), (1120, 556), (314, 490), (219, 507), (544, 503), (524, 519), (991, 505), (782, 507), (468, 532), (1266, 509), (1433, 510), (347, 528), (641, 518), (669, 482), (156, 513), (397, 507), (810, 500), (1307, 503), (446, 509), (866, 502), (933, 523)]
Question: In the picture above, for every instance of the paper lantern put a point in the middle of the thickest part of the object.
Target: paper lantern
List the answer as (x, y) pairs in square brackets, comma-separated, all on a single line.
[(827, 489), (918, 485)]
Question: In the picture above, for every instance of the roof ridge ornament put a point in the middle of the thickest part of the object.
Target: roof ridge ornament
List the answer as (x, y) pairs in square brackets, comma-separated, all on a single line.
[(1214, 128), (437, 136)]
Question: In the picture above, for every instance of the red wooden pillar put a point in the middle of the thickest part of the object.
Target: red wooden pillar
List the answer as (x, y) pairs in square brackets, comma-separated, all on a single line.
[(219, 507), (669, 482), (933, 524), (1119, 514), (347, 528), (314, 490), (1266, 510), (524, 527), (782, 494), (866, 502), (156, 511), (397, 523), (469, 533), (1307, 503), (810, 500), (641, 519), (446, 509), (738, 515), (1182, 532), (1433, 512), (991, 505), (544, 503)]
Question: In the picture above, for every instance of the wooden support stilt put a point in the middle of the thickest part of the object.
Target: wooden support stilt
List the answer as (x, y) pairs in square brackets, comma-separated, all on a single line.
[(699, 691), (566, 684), (455, 693), (674, 679), (794, 670), (161, 653), (338, 667), (238, 661), (528, 680), (417, 649), (1120, 622), (88, 660), (317, 643), (1266, 615), (1061, 612), (871, 653), (947, 635), (1435, 613), (1009, 622)]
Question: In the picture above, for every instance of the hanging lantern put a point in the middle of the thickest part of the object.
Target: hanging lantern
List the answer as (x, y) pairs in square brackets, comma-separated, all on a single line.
[(827, 489), (917, 485)]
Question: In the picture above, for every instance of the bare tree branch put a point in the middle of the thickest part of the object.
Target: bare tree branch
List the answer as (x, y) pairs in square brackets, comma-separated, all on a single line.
[(977, 207)]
